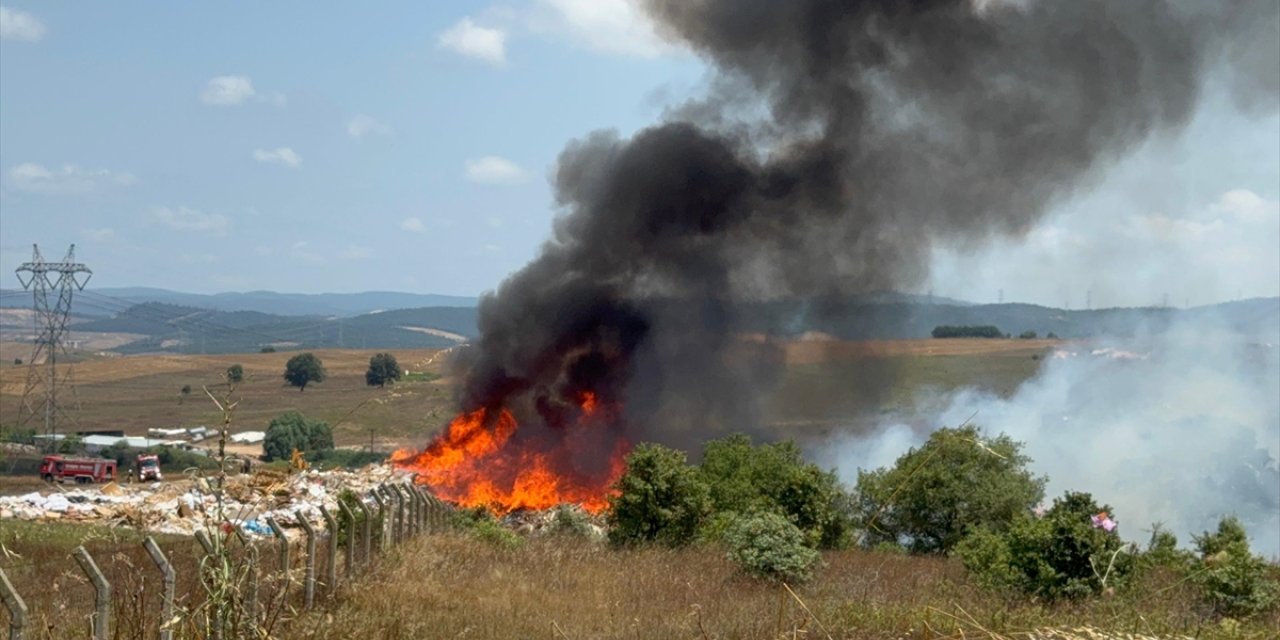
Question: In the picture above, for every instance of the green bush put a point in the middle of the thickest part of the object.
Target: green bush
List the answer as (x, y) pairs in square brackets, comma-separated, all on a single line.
[(173, 459), (775, 477), (20, 435), (955, 482), (291, 430), (344, 458), (71, 445), (1060, 555), (480, 523), (769, 545), (1232, 581), (349, 498), (659, 498), (383, 368), (967, 331), (1027, 335), (570, 520)]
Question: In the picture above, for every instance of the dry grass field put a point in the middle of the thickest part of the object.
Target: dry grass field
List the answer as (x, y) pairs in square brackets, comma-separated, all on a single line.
[(139, 392), (555, 587), (825, 385)]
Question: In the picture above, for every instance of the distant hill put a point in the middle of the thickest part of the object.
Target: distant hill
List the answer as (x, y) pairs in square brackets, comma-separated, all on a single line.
[(107, 301), (178, 328)]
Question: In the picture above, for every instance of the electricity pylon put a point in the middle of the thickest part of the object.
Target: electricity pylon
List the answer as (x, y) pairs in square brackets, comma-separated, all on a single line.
[(61, 279)]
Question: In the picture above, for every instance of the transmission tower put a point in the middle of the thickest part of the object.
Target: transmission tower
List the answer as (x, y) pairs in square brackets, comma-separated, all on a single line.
[(51, 285)]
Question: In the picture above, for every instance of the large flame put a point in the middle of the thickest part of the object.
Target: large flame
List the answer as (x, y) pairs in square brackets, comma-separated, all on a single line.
[(480, 460)]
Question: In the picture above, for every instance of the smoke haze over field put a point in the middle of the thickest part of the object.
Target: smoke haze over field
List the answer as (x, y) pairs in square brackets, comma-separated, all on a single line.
[(1180, 428), (839, 144)]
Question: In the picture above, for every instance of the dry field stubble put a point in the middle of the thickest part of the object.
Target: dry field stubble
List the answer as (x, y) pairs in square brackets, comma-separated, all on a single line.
[(456, 587), (135, 393)]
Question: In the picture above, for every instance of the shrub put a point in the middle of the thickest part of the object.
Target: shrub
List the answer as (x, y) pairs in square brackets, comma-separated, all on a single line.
[(1231, 580), (345, 525), (774, 477), (175, 459), (955, 482), (659, 498), (570, 520), (768, 545), (235, 374), (1060, 555), (1027, 335), (71, 444), (267, 350), (17, 361), (20, 435), (480, 523), (291, 431), (344, 458)]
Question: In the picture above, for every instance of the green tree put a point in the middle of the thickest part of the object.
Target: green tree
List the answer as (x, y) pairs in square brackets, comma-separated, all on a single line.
[(659, 498), (1063, 554), (383, 368), (956, 481), (304, 369), (1232, 580), (292, 430), (775, 477), (1027, 335), (184, 393), (267, 349), (235, 374)]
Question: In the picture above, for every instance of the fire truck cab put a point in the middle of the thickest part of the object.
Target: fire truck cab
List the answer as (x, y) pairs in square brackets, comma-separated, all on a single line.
[(148, 467), (80, 470)]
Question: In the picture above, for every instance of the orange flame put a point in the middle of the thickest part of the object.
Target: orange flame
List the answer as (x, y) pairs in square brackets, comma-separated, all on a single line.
[(475, 463)]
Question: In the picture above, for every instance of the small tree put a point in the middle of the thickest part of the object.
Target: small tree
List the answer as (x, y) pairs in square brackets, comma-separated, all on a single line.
[(1027, 335), (659, 498), (1232, 580), (292, 431), (303, 369), (184, 393), (235, 374), (958, 480), (775, 477), (267, 349), (1067, 553), (383, 368)]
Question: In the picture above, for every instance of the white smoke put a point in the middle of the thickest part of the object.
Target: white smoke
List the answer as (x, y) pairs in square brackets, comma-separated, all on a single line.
[(1180, 428)]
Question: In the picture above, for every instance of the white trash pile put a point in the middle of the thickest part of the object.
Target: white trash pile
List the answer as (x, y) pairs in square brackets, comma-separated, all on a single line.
[(186, 505)]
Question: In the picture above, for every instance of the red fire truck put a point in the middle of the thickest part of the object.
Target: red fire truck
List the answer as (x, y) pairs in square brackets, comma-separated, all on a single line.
[(81, 470)]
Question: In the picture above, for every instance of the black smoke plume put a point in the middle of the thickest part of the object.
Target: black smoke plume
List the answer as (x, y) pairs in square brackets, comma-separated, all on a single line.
[(839, 142)]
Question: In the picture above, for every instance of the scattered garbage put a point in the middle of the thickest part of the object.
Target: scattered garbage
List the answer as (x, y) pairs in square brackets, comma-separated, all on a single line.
[(186, 505)]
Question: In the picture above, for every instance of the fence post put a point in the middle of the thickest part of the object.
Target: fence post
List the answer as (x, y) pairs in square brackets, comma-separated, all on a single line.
[(284, 557), (409, 508), (351, 535), (417, 508), (397, 509), (435, 510), (170, 579), (382, 520), (17, 608), (331, 571), (367, 514), (425, 510), (202, 536), (251, 590), (102, 593), (309, 575)]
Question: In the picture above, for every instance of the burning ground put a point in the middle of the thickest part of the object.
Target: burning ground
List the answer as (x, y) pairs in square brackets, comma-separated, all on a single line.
[(838, 143)]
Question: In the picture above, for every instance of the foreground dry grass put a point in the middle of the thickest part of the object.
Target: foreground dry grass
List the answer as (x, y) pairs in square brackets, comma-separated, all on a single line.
[(456, 587)]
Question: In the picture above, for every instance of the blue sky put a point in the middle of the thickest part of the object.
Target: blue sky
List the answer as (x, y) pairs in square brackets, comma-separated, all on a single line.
[(313, 147)]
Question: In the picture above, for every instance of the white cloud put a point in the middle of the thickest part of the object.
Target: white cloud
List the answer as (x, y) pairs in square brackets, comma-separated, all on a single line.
[(30, 176), (282, 156), (356, 252), (19, 25), (225, 91), (413, 224), (469, 39), (187, 219), (608, 26), (1246, 206), (495, 170), (362, 125)]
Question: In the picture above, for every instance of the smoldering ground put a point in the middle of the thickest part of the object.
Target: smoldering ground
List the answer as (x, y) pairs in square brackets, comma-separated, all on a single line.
[(1180, 427), (837, 144)]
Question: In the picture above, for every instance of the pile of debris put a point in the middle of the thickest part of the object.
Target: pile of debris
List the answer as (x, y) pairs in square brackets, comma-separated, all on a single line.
[(184, 506)]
